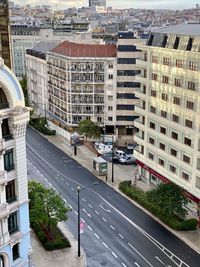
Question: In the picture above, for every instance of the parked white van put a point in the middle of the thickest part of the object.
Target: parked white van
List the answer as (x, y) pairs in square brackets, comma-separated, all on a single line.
[(120, 154)]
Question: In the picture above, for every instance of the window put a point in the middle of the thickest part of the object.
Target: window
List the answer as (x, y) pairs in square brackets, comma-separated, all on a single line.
[(153, 93), (191, 86), (174, 135), (177, 82), (189, 45), (110, 97), (179, 63), (125, 107), (176, 43), (151, 141), (165, 79), (99, 119), (150, 41), (110, 118), (128, 84), (110, 76), (185, 176), (8, 160), (151, 156), (127, 48), (172, 169), (175, 118), (173, 152), (187, 141), (176, 101), (164, 96), (126, 118), (166, 61), (163, 130), (152, 125), (152, 109), (126, 61), (154, 76), (12, 223), (164, 42), (190, 105), (186, 159), (162, 146), (161, 162), (10, 192), (163, 114), (188, 123), (154, 59), (144, 89), (5, 130), (110, 66), (126, 96), (15, 251), (193, 66), (110, 108)]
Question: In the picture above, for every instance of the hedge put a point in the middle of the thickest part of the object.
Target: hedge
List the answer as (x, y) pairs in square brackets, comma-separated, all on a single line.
[(140, 197), (57, 240), (39, 124)]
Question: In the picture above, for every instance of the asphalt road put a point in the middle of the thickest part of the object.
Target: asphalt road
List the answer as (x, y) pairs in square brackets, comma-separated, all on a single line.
[(116, 233)]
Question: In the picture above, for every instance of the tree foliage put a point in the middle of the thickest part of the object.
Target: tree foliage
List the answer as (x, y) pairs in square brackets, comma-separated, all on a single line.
[(46, 206), (23, 83), (89, 129), (169, 198)]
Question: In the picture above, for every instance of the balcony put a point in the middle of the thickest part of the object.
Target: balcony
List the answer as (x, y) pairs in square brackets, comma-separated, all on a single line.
[(3, 177), (141, 79), (4, 210), (141, 63)]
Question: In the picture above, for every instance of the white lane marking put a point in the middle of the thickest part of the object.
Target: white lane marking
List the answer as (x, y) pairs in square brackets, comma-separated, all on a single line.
[(38, 171), (82, 220), (104, 219), (41, 174), (121, 236), (90, 206), (62, 178), (89, 215), (114, 254), (46, 179), (136, 264), (50, 184), (104, 244), (112, 227), (67, 183), (96, 235), (96, 212), (84, 210), (159, 260), (76, 212), (72, 188), (54, 188), (104, 209), (89, 228), (65, 200), (70, 206), (123, 264), (84, 199), (140, 254)]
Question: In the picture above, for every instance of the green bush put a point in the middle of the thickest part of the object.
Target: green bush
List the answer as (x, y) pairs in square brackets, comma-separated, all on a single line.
[(140, 197), (190, 224), (40, 125), (57, 244)]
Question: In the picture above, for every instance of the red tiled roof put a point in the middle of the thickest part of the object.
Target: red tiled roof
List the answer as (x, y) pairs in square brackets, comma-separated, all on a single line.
[(71, 49)]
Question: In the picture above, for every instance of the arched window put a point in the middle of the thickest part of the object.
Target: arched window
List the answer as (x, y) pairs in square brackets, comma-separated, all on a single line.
[(3, 99), (2, 263)]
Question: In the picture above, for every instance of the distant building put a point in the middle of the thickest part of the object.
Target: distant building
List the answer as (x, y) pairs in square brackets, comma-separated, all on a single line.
[(169, 108), (14, 203), (98, 5), (5, 33), (36, 73), (81, 84)]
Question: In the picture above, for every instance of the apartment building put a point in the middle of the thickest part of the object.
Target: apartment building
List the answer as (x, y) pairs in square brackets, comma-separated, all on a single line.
[(127, 86), (4, 33), (81, 84), (14, 215), (37, 80), (98, 5), (169, 108)]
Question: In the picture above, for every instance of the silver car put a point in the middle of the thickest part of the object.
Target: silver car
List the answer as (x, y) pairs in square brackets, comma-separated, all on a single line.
[(127, 160)]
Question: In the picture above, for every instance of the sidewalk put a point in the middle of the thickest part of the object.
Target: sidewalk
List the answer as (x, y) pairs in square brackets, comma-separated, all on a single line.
[(62, 258), (121, 173)]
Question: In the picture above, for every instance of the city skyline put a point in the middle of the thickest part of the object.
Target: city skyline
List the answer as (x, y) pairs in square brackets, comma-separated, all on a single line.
[(144, 4)]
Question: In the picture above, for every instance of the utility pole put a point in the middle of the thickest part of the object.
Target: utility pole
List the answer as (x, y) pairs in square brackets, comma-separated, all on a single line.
[(112, 159)]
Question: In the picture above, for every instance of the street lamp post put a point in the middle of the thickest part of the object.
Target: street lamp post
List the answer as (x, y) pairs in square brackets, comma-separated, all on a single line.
[(79, 189), (112, 159)]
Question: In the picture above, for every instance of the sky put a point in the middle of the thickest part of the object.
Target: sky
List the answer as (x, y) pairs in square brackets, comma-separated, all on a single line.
[(149, 4)]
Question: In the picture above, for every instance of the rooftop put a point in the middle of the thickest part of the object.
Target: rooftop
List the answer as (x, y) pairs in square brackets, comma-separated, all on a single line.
[(182, 29), (72, 49), (44, 47)]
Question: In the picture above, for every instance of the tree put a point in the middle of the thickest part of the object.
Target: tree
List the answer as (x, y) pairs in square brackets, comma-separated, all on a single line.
[(46, 206), (169, 198), (23, 83), (89, 129)]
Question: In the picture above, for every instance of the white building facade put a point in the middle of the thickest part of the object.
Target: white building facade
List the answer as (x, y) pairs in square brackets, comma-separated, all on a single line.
[(14, 214), (169, 108), (81, 84)]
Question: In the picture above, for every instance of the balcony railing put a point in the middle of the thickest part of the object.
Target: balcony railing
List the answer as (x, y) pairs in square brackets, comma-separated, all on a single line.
[(11, 199)]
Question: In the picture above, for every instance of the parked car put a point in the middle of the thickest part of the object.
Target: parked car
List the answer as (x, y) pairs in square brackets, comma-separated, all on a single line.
[(127, 160), (108, 157), (102, 149), (120, 153), (131, 146)]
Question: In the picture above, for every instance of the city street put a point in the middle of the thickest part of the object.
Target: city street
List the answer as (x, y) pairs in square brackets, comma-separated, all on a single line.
[(116, 233)]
